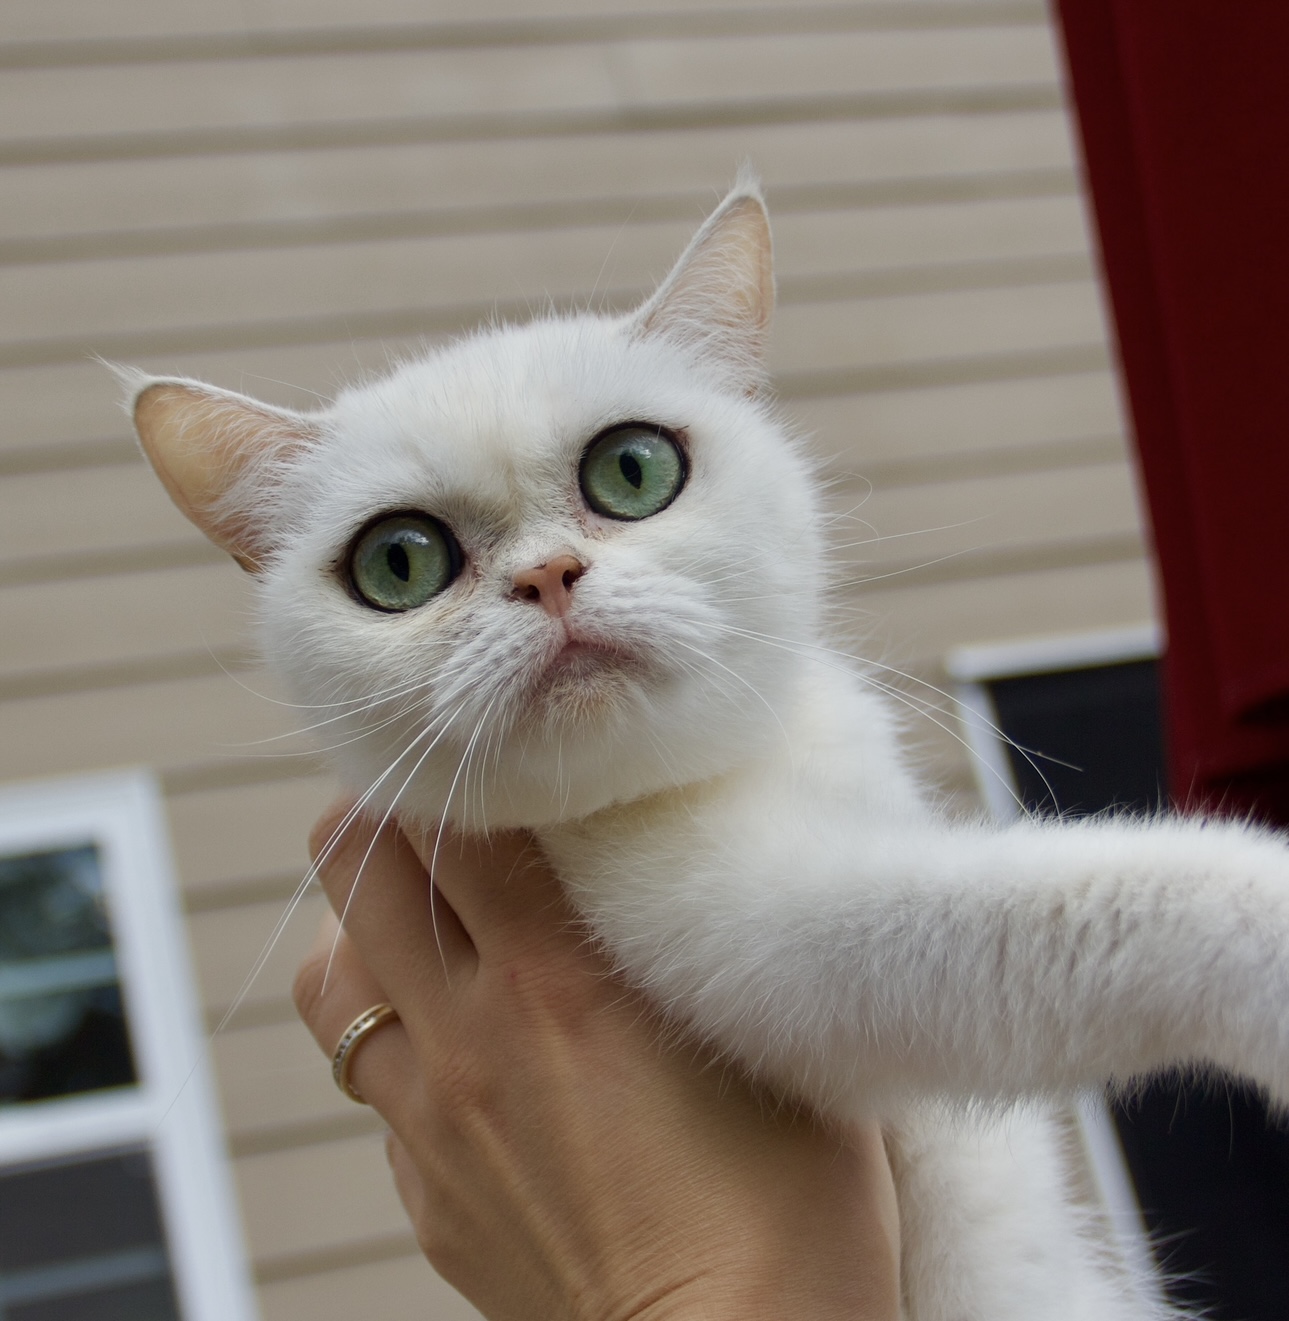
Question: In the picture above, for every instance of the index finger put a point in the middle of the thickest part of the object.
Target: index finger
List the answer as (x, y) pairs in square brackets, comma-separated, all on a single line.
[(500, 886), (408, 937)]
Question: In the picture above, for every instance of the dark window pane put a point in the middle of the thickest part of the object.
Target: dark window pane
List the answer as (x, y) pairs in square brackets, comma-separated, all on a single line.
[(81, 1208), (84, 1238), (62, 1025), (153, 1301), (1093, 736)]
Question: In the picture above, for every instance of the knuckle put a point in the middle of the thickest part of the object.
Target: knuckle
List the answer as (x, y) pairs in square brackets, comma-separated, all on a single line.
[(464, 1090), (547, 994)]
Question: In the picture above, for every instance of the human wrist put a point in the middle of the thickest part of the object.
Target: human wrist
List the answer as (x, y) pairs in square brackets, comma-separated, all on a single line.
[(830, 1283), (782, 1246), (746, 1300)]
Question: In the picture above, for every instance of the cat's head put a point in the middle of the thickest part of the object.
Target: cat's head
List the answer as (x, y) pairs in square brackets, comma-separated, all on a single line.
[(545, 569)]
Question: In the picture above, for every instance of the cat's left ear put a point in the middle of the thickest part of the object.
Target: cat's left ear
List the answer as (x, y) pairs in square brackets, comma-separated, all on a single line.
[(217, 454), (719, 297)]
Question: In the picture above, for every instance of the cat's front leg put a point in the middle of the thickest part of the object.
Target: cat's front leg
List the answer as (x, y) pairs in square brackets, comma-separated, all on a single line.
[(1057, 956), (885, 960)]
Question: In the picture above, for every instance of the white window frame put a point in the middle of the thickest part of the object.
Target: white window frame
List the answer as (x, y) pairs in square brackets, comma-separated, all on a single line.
[(171, 1111), (971, 669)]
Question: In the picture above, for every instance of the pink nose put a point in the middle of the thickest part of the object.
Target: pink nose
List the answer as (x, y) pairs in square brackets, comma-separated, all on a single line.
[(550, 585)]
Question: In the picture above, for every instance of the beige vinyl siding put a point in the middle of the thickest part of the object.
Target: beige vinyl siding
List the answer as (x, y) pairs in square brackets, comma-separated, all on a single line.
[(277, 195)]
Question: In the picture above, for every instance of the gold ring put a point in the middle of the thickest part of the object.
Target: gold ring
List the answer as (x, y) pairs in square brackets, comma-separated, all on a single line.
[(342, 1061)]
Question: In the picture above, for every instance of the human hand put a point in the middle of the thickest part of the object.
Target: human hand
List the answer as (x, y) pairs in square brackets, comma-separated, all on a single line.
[(561, 1156)]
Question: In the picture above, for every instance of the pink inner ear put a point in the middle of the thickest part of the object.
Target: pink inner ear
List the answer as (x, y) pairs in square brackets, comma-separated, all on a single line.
[(201, 441), (720, 296)]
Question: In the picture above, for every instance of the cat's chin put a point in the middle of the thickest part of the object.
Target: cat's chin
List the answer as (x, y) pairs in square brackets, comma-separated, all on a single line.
[(593, 724), (580, 752)]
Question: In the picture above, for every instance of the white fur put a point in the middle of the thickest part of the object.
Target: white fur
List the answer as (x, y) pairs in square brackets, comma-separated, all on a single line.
[(731, 810)]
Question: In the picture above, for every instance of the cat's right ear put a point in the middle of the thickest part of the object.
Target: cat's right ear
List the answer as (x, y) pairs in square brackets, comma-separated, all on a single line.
[(719, 298), (213, 449)]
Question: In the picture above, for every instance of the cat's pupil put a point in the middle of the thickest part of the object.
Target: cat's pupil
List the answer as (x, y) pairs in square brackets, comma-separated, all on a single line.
[(399, 565), (631, 469)]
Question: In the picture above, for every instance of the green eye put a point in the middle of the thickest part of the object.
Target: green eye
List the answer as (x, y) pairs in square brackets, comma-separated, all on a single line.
[(401, 560), (632, 472)]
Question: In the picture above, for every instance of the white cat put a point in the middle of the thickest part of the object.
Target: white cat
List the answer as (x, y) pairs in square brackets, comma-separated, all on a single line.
[(570, 576)]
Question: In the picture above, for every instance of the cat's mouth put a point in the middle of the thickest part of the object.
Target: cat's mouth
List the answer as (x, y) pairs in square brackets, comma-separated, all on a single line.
[(579, 657), (580, 673)]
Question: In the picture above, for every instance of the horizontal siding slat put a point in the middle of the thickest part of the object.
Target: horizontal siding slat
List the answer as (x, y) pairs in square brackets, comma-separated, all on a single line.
[(896, 426), (152, 240), (191, 552), (879, 331), (47, 30), (170, 726), (835, 240), (335, 181), (52, 104), (475, 128), (75, 515), (875, 531), (851, 334), (917, 625), (995, 564), (36, 20), (947, 466), (354, 87), (786, 64), (273, 1078), (306, 1200), (1003, 242), (63, 679), (102, 452), (274, 887), (233, 772), (88, 622), (225, 836), (228, 945), (935, 373), (77, 403), (361, 303)]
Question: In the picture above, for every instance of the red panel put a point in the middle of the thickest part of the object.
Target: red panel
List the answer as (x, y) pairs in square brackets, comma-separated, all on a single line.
[(1184, 108)]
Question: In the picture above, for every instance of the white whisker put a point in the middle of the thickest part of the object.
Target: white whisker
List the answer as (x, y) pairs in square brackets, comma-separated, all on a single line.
[(447, 807), (749, 686), (923, 708), (389, 812), (309, 877)]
